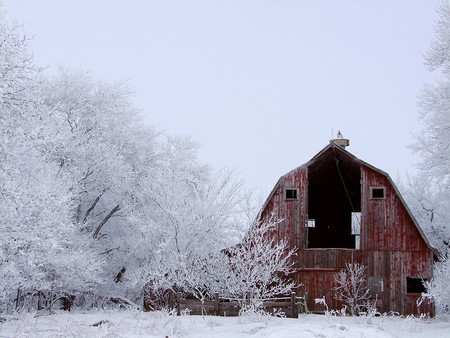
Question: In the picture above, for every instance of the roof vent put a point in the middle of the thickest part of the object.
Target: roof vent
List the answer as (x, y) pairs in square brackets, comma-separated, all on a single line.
[(340, 140)]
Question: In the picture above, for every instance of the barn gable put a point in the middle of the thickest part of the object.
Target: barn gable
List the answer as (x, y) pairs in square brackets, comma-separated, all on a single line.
[(337, 209)]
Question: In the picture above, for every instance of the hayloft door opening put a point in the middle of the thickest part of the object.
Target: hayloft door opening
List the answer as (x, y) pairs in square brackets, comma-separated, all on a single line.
[(334, 202)]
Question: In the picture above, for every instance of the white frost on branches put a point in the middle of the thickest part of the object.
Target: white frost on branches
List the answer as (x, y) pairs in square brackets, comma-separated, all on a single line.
[(351, 287), (439, 54), (254, 270), (438, 289), (428, 194), (40, 247), (91, 197), (259, 266)]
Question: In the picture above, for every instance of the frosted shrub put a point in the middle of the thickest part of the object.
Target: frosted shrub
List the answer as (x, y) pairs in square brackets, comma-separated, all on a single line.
[(258, 268), (438, 289), (164, 324), (351, 287), (253, 313)]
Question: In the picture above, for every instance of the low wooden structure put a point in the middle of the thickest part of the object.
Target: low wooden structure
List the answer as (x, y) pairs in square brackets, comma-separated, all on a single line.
[(338, 209), (289, 306), (37, 300)]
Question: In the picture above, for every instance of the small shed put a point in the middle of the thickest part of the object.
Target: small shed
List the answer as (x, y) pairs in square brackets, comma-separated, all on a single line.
[(338, 209)]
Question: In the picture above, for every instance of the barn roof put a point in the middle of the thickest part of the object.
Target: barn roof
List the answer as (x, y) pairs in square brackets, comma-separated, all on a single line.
[(337, 148)]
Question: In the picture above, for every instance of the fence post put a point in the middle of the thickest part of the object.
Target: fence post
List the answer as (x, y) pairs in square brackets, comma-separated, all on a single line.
[(216, 304), (306, 302), (294, 305), (178, 304), (170, 300), (145, 303), (51, 301), (247, 298), (40, 296)]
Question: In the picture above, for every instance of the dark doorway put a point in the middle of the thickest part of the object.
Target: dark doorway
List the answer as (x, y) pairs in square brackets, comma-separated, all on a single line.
[(334, 193)]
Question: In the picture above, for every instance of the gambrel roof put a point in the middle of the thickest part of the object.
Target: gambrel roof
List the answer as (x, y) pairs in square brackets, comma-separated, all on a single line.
[(343, 153)]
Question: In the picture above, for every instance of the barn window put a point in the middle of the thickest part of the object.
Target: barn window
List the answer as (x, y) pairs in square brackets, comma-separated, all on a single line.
[(356, 223), (415, 285), (291, 193), (311, 223), (376, 285), (377, 192), (356, 228)]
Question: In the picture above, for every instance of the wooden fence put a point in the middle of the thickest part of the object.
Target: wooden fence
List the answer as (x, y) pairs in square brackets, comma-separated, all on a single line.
[(291, 306), (35, 300)]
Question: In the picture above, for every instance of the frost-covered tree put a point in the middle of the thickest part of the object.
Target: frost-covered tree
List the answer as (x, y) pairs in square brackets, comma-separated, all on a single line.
[(351, 287), (428, 194), (107, 157), (131, 195), (438, 57), (438, 289), (39, 246), (258, 267), (192, 212), (429, 206), (250, 272), (90, 194)]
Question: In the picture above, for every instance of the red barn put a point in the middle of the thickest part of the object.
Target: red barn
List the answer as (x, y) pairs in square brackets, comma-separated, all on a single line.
[(337, 209)]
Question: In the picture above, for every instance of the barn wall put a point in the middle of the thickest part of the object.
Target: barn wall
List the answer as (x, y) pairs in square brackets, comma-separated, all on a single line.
[(291, 213), (389, 232)]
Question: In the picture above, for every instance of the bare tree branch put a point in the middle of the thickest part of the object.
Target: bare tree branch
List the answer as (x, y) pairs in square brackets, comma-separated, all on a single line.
[(99, 227), (88, 212)]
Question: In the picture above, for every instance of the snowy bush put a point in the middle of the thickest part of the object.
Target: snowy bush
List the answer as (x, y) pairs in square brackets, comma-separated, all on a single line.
[(438, 289), (351, 288), (252, 313), (258, 268), (250, 273)]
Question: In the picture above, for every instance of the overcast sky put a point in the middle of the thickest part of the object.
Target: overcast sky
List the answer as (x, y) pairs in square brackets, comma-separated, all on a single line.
[(259, 84)]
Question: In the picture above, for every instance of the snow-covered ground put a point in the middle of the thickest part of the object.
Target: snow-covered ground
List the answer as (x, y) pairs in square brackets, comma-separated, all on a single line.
[(158, 324)]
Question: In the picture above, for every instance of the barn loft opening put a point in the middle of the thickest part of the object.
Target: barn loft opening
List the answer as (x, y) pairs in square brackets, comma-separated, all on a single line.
[(334, 201)]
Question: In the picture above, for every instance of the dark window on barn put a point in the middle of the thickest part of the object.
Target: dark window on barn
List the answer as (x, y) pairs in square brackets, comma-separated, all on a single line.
[(377, 192), (415, 285), (291, 193)]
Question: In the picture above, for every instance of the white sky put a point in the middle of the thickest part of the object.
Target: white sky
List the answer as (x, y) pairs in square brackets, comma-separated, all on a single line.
[(259, 84)]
